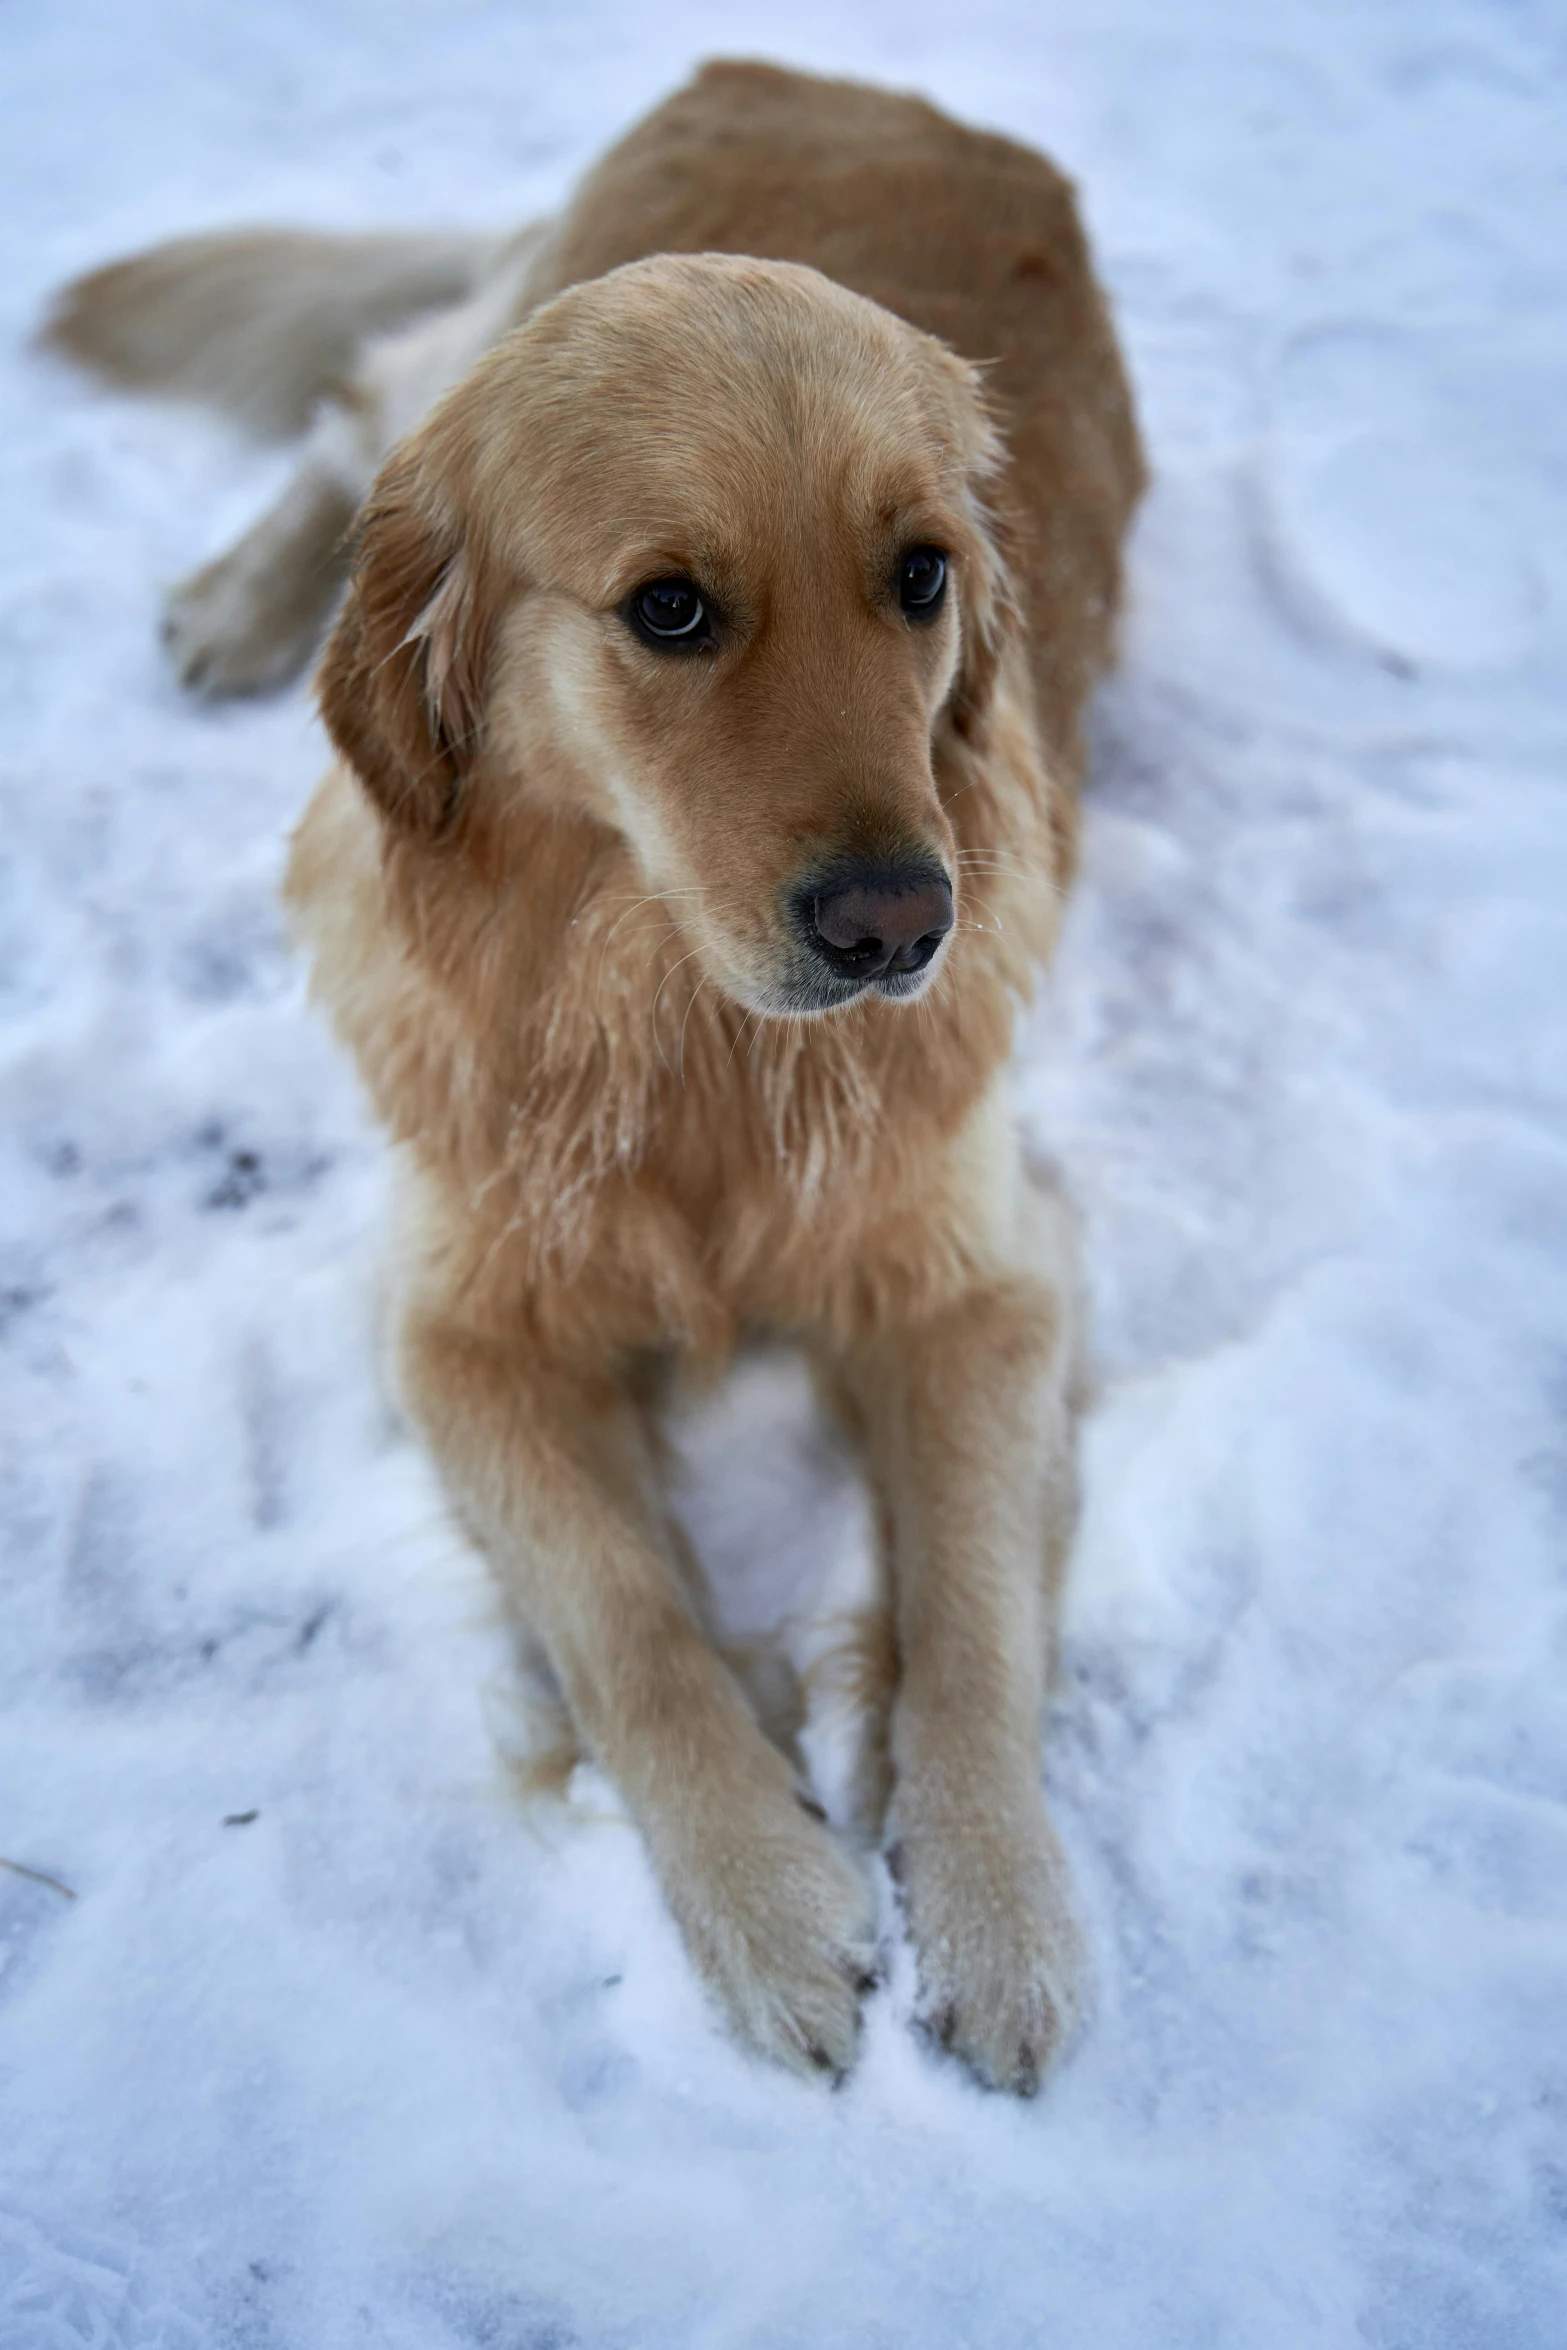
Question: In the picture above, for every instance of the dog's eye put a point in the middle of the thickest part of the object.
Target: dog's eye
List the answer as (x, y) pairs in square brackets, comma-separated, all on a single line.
[(669, 612), (922, 582)]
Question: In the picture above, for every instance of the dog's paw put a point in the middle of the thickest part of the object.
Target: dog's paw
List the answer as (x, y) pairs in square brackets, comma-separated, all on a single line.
[(229, 631), (1003, 1972), (783, 1931)]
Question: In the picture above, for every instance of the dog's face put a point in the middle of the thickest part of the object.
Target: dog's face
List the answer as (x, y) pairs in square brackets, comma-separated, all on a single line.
[(699, 552)]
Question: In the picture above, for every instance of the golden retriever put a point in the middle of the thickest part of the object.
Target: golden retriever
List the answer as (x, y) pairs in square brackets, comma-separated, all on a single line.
[(707, 697)]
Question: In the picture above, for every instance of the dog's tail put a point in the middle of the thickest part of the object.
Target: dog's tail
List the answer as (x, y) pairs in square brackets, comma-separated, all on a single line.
[(258, 322)]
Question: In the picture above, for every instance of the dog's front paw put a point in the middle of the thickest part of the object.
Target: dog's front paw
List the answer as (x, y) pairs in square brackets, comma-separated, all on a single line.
[(782, 1927), (1002, 1968)]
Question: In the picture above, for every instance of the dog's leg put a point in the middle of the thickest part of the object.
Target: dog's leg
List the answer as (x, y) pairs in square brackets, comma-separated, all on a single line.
[(549, 1750), (857, 1669), (250, 620), (769, 1680), (968, 1421), (558, 1478), (872, 1672)]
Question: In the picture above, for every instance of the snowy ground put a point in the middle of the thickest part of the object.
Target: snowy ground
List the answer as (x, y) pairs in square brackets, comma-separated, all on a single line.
[(389, 2064)]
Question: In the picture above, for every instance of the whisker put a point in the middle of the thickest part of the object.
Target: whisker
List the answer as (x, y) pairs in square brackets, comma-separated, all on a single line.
[(685, 1024), (603, 898), (670, 973), (651, 899), (670, 928), (739, 1032), (663, 983)]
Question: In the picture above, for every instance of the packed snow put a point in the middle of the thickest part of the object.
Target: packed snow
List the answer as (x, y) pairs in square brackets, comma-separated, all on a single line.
[(311, 2032)]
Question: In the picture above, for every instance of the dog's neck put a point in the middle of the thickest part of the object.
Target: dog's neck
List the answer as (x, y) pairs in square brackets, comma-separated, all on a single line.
[(608, 1048), (533, 1022)]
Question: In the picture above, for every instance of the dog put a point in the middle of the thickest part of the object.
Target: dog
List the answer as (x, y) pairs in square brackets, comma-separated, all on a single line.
[(707, 697)]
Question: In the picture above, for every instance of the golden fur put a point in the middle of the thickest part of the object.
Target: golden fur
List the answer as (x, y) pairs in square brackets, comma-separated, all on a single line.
[(547, 895)]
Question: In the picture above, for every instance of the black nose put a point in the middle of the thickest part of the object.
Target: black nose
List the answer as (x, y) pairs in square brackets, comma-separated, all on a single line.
[(868, 922)]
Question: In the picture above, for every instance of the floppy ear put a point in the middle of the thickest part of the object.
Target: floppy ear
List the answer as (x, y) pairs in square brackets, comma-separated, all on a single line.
[(401, 684), (989, 618), (989, 610)]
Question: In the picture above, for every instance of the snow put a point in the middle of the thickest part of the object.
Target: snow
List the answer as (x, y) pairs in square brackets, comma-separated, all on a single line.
[(396, 2061)]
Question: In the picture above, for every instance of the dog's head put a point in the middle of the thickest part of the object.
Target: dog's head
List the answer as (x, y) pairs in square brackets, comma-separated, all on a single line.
[(700, 552)]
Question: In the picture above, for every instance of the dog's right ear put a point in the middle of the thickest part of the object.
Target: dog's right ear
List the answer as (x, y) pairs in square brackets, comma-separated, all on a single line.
[(401, 683)]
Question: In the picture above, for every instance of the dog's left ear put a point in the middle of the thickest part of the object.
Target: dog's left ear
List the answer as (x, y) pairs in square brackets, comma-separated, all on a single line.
[(989, 608), (401, 684), (989, 618)]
